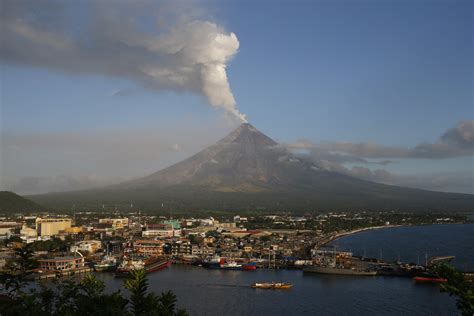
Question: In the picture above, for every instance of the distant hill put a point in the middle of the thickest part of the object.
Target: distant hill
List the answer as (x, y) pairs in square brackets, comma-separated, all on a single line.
[(247, 170), (13, 203)]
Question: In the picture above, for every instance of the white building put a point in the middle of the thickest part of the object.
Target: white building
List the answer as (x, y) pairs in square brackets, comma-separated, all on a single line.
[(90, 246)]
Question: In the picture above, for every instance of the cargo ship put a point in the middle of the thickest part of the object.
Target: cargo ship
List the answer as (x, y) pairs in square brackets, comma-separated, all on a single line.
[(272, 286)]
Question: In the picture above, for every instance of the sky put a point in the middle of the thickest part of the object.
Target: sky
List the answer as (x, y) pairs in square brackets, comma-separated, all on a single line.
[(94, 93)]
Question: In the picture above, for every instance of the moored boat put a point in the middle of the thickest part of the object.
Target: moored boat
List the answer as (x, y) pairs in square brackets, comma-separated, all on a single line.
[(127, 266), (232, 265), (155, 264), (338, 271), (430, 279), (250, 266), (108, 263)]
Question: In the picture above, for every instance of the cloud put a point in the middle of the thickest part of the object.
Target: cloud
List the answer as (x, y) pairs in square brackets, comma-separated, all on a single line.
[(153, 44), (44, 162), (36, 185), (455, 142), (446, 181)]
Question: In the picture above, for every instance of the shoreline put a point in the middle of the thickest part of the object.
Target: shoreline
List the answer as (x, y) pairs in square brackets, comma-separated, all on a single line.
[(330, 238)]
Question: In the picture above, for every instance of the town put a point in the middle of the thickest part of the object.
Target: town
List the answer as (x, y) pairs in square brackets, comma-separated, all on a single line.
[(87, 241)]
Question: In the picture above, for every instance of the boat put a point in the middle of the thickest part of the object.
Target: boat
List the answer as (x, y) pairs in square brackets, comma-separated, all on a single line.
[(127, 266), (338, 271), (231, 265), (155, 264), (108, 263), (272, 286), (213, 262), (430, 279), (250, 266), (328, 265)]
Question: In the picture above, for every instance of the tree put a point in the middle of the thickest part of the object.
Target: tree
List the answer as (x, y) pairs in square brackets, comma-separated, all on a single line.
[(18, 270), (144, 303), (87, 297), (457, 286)]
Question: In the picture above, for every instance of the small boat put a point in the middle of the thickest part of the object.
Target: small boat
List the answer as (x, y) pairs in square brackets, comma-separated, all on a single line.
[(272, 286), (430, 279)]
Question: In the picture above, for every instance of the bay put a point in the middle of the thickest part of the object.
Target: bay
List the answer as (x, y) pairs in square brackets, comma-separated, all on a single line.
[(214, 292)]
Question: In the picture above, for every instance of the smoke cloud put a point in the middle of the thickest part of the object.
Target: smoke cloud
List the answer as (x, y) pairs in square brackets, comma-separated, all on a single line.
[(155, 45)]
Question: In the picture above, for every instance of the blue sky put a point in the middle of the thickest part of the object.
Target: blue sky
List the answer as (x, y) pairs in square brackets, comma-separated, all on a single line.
[(395, 73)]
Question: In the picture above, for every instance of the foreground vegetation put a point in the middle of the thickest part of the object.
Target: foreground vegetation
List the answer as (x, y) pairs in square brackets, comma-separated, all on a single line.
[(86, 297), (457, 286)]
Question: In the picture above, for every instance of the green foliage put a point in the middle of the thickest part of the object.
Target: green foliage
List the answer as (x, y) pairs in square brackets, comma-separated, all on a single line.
[(87, 297), (457, 286), (143, 303), (18, 270), (52, 245)]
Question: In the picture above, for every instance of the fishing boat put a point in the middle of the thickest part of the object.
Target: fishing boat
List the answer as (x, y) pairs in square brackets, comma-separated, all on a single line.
[(129, 265), (231, 265), (108, 263), (213, 262), (272, 286)]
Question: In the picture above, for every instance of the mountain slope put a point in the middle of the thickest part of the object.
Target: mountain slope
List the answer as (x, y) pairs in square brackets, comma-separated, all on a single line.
[(13, 203), (248, 170)]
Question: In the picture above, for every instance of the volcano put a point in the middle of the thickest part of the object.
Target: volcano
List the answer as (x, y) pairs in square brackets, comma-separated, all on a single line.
[(248, 170)]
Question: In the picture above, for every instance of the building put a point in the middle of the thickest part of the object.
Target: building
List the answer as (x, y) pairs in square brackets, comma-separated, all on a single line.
[(202, 251), (90, 246), (28, 232), (179, 248), (117, 223), (7, 228), (149, 247), (73, 230), (175, 223), (51, 226), (159, 230), (61, 264)]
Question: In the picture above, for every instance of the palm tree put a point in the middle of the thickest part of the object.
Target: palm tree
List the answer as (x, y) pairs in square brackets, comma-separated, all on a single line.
[(144, 303)]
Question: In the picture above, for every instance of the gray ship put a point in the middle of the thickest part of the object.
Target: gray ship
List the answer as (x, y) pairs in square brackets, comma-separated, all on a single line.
[(338, 271), (326, 263)]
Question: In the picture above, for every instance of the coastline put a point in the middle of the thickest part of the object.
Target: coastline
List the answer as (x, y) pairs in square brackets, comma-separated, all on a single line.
[(327, 239)]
